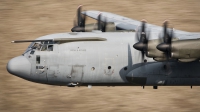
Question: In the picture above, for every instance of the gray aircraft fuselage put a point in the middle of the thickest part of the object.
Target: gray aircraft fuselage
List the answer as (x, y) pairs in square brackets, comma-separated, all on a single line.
[(113, 62)]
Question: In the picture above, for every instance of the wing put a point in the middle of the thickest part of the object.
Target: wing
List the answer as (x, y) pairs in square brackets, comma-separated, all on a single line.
[(125, 23), (121, 22)]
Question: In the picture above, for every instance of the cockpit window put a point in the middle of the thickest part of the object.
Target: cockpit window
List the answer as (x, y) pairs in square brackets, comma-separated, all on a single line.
[(50, 47), (44, 47), (36, 46), (47, 47)]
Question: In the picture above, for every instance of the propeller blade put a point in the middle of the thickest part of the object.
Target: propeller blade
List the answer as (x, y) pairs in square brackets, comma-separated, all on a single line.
[(99, 22), (167, 63), (79, 18), (104, 25), (137, 34), (165, 31), (166, 46), (143, 53), (79, 23), (83, 21), (143, 39), (171, 33), (167, 38), (143, 26), (143, 35)]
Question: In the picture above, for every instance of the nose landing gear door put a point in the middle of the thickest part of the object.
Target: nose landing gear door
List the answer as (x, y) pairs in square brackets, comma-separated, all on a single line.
[(41, 68)]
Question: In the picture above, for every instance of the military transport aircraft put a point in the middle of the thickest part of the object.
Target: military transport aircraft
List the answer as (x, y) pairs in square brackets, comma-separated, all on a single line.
[(115, 51)]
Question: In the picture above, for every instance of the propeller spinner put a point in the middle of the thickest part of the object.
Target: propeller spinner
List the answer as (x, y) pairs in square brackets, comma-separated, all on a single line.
[(143, 40)]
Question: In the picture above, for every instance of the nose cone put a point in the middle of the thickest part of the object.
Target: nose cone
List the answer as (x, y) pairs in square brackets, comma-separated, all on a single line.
[(19, 66)]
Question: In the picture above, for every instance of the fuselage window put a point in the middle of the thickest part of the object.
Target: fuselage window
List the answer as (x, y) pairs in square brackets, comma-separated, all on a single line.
[(32, 52), (50, 48), (38, 59)]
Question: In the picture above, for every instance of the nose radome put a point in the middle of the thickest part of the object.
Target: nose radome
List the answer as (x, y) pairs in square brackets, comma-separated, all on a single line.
[(19, 66)]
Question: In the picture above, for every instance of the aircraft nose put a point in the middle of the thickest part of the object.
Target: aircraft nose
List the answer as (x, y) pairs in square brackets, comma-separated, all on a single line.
[(19, 66)]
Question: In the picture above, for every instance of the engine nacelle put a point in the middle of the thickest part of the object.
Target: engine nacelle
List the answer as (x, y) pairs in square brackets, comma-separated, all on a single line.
[(110, 27), (186, 49), (152, 51)]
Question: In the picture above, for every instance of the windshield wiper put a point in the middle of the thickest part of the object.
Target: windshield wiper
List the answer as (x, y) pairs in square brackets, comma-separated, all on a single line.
[(31, 48)]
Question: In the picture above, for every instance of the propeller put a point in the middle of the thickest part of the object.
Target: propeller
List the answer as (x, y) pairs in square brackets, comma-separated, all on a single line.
[(143, 39), (101, 25), (167, 40), (166, 45), (104, 25), (79, 23)]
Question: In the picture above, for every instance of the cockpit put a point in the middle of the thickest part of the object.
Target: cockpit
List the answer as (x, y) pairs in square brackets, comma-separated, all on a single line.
[(42, 46), (39, 46)]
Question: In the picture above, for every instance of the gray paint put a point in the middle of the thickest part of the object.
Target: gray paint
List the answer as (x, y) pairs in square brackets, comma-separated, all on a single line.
[(86, 62), (72, 62)]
